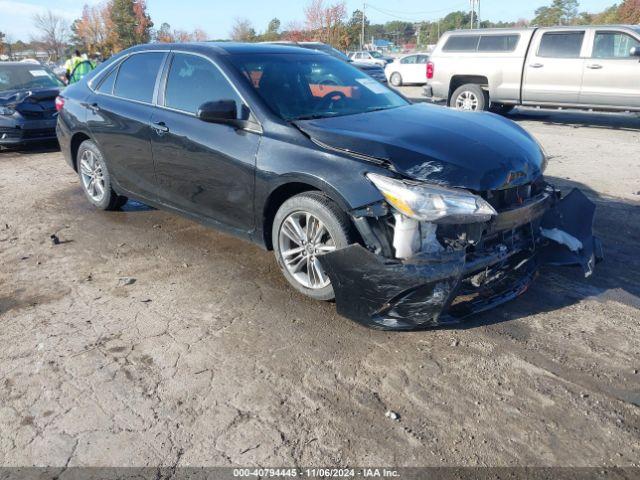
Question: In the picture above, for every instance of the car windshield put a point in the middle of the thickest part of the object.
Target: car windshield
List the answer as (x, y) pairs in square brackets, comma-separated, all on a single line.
[(375, 54), (26, 76), (298, 87)]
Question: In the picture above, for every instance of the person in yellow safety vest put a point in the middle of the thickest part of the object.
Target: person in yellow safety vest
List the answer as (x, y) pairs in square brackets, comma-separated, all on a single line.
[(72, 63)]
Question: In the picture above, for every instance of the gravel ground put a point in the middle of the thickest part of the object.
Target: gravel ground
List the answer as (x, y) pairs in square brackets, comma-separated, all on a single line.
[(146, 339)]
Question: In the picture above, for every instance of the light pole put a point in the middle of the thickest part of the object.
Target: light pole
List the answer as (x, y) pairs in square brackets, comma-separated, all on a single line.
[(475, 14), (364, 7), (472, 6)]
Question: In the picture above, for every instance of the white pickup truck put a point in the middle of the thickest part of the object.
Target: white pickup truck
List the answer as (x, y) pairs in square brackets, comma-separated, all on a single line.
[(592, 67)]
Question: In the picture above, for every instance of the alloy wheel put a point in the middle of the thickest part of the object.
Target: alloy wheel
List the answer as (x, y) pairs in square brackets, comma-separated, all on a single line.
[(92, 175), (302, 239), (467, 100)]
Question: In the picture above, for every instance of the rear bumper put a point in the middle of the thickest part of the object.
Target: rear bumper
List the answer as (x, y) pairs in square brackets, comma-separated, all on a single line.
[(430, 290), (429, 92)]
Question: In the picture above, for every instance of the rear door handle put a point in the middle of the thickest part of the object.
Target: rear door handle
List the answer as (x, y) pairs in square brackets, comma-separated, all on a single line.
[(160, 127), (536, 65), (594, 66)]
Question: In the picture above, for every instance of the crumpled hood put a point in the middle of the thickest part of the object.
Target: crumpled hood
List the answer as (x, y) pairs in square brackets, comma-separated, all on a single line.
[(35, 101), (14, 97), (474, 150)]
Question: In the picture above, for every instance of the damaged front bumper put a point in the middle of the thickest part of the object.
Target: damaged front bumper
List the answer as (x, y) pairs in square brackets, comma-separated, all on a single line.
[(440, 288)]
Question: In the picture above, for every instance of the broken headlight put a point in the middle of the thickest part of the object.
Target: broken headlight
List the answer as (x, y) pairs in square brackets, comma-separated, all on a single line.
[(432, 203), (6, 111)]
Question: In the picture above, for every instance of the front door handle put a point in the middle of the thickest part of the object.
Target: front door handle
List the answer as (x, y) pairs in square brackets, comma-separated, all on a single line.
[(594, 66), (160, 127), (536, 65)]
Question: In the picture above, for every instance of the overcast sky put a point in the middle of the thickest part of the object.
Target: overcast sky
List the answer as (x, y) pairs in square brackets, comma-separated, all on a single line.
[(216, 16)]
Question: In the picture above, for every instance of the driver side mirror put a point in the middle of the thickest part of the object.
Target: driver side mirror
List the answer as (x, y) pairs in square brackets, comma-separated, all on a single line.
[(222, 111), (635, 52)]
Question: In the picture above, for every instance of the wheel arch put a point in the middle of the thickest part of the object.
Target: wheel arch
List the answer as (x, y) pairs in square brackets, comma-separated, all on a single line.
[(459, 80), (289, 188), (74, 146)]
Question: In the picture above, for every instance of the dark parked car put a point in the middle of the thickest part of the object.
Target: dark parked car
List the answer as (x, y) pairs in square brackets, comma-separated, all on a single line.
[(408, 215), (27, 103)]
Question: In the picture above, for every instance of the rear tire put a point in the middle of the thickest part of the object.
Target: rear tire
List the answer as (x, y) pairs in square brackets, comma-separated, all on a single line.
[(95, 178), (301, 211), (396, 79), (470, 97)]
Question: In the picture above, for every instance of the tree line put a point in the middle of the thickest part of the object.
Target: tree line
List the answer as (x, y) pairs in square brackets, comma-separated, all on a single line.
[(106, 28), (329, 23)]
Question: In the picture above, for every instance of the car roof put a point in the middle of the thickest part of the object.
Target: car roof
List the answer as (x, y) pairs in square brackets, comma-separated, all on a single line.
[(489, 31), (228, 48)]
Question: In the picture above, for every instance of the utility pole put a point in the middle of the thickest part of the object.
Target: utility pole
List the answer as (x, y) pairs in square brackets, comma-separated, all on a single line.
[(472, 5), (364, 7), (478, 14)]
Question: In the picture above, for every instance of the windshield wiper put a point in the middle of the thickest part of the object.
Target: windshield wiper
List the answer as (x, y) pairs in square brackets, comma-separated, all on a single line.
[(308, 117), (376, 109)]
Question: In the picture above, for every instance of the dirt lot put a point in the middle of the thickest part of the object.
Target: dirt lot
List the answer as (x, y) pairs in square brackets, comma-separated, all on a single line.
[(209, 358)]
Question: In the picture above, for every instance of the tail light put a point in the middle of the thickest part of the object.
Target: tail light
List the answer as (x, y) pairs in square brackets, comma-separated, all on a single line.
[(59, 103), (430, 68)]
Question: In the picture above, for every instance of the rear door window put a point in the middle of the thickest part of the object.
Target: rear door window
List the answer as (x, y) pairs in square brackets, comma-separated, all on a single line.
[(498, 43), (461, 43), (409, 60), (137, 76), (561, 44), (194, 80)]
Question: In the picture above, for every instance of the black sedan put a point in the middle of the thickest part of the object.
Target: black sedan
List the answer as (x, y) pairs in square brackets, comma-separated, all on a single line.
[(408, 215), (27, 103)]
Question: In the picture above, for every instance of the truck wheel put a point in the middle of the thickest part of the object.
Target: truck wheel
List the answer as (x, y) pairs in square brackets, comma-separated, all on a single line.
[(305, 227), (396, 79), (469, 97)]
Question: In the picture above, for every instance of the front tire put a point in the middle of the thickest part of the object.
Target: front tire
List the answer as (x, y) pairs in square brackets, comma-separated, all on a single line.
[(396, 79), (95, 178), (305, 227), (470, 97)]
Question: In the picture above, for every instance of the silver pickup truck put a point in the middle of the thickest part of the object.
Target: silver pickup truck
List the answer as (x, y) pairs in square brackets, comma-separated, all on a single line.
[(593, 67)]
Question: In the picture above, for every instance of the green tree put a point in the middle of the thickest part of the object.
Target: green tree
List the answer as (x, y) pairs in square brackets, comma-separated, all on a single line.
[(164, 35), (560, 12), (400, 32), (123, 18), (131, 23), (354, 28), (273, 31), (2, 36)]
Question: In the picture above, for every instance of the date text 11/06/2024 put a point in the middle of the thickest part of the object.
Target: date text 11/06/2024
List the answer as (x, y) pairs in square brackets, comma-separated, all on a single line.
[(316, 472)]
